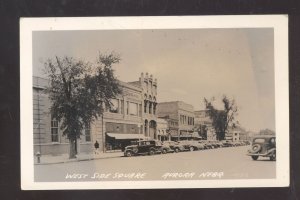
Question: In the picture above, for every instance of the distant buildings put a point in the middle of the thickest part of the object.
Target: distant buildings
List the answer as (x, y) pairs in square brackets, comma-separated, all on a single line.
[(173, 126), (180, 113), (162, 129), (236, 134), (203, 125)]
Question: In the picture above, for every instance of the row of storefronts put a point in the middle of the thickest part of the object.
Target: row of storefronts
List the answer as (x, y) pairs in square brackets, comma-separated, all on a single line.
[(134, 115), (131, 117)]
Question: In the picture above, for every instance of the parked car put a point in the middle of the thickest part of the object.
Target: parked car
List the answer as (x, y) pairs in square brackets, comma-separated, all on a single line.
[(166, 148), (220, 144), (236, 144), (206, 144), (175, 146), (214, 144), (217, 143), (145, 147), (263, 145), (227, 143), (191, 145)]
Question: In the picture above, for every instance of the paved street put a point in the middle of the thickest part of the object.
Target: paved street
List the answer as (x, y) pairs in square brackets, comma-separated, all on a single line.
[(224, 163)]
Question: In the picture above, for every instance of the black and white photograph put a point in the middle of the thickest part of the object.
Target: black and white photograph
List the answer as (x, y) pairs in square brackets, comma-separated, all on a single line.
[(154, 102)]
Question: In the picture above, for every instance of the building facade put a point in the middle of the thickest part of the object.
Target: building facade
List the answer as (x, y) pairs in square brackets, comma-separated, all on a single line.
[(236, 134), (162, 129), (203, 123), (173, 127), (48, 138), (132, 116), (178, 112), (149, 93)]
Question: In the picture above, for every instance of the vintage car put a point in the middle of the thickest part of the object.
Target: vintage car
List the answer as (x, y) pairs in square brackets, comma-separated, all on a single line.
[(175, 146), (207, 145), (191, 145), (263, 145), (214, 144), (227, 143), (145, 147)]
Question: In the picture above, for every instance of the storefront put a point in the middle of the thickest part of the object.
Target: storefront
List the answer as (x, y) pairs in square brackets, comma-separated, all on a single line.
[(118, 141)]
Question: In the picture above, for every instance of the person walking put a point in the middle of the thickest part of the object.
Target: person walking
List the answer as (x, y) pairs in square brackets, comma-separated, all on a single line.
[(96, 145)]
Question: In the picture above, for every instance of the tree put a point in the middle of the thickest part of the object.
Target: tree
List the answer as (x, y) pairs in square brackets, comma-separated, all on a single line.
[(222, 119), (79, 91)]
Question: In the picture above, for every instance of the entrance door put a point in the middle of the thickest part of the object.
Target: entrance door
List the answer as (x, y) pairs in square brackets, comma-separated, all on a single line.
[(152, 129)]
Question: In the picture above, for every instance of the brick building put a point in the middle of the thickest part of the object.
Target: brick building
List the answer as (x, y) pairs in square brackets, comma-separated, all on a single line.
[(178, 112), (132, 117)]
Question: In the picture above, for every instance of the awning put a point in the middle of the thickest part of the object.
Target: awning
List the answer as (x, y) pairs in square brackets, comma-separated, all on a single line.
[(124, 136)]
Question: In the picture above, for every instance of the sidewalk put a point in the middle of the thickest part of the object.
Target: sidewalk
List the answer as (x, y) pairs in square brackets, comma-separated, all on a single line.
[(64, 158)]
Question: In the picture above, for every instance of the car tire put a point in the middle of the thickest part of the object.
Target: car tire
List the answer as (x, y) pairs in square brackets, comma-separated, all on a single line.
[(256, 148), (254, 157), (164, 151), (151, 152), (176, 150), (128, 154), (273, 157), (192, 148)]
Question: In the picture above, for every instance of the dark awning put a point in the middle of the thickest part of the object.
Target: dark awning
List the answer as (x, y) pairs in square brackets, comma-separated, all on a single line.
[(124, 136)]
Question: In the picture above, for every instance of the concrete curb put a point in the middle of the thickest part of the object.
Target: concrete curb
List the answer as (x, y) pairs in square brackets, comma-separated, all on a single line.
[(78, 160)]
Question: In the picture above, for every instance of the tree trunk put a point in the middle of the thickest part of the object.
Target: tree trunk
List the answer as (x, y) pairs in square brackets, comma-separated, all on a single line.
[(72, 153), (222, 136)]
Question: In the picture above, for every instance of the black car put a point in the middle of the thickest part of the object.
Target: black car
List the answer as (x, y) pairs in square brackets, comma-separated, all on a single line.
[(145, 147), (264, 146)]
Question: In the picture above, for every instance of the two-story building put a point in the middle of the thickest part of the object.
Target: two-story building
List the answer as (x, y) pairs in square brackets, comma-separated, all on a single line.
[(131, 117), (182, 113)]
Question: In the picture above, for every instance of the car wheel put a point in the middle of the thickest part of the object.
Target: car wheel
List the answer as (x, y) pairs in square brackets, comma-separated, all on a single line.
[(164, 151), (273, 157), (176, 150), (128, 154), (151, 152), (254, 157), (192, 148)]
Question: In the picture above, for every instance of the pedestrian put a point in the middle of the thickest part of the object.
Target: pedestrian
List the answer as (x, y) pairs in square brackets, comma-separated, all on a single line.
[(96, 145)]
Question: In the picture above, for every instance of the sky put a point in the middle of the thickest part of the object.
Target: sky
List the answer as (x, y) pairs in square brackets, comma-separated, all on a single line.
[(189, 64)]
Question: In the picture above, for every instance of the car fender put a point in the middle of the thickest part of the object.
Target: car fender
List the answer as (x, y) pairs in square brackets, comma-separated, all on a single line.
[(272, 151)]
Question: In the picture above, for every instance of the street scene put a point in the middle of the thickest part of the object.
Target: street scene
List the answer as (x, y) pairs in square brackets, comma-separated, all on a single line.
[(221, 163), (186, 104)]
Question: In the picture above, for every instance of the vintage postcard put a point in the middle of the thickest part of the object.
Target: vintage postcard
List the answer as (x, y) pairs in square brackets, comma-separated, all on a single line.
[(154, 102)]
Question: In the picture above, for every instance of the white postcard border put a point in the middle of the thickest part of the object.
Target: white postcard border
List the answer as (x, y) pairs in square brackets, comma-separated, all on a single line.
[(278, 22)]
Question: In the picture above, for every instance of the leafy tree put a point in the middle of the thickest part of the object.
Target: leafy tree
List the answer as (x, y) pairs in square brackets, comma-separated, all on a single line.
[(79, 91), (222, 119)]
